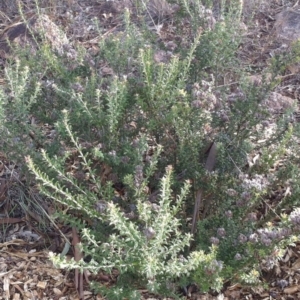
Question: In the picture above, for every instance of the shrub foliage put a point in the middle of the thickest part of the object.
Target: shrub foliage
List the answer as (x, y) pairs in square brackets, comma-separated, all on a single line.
[(125, 148)]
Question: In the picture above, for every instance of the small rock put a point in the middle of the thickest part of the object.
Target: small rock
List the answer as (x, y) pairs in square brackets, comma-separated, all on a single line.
[(287, 25)]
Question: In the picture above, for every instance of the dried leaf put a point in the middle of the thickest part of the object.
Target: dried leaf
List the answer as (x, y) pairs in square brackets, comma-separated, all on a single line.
[(211, 159), (42, 284), (209, 165), (11, 220), (292, 289)]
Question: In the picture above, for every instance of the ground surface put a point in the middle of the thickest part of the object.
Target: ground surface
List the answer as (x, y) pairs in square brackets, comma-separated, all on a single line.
[(26, 237)]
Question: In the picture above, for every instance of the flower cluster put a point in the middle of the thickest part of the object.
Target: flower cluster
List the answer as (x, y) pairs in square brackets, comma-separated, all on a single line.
[(214, 267), (258, 182), (295, 217), (268, 236), (203, 97)]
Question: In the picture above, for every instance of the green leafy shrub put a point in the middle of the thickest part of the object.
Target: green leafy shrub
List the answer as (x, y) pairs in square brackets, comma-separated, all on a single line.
[(145, 245), (117, 131)]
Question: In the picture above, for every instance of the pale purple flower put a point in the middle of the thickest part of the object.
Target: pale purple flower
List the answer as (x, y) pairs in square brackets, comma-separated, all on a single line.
[(214, 241), (228, 214), (242, 238), (238, 256), (221, 232), (253, 238)]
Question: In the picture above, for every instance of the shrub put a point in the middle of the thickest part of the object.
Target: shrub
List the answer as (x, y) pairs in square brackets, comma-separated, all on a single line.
[(117, 131), (145, 245)]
